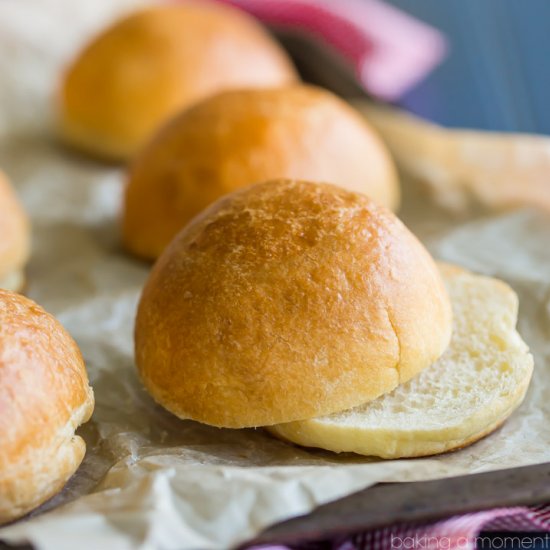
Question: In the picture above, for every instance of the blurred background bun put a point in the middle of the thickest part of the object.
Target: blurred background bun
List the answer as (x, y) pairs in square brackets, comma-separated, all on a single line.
[(14, 238), (239, 138), (44, 397), (148, 66), (288, 300)]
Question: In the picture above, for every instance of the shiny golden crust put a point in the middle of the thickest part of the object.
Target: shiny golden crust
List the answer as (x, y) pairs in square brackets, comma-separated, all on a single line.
[(14, 237), (243, 137), (150, 65), (44, 397), (288, 300)]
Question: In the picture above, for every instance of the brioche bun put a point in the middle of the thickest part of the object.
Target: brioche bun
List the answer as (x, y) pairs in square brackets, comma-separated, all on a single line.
[(285, 301), (153, 63), (44, 397), (239, 138), (14, 238), (465, 395)]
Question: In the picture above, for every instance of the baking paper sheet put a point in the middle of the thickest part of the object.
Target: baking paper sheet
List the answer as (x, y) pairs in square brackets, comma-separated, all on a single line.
[(150, 480)]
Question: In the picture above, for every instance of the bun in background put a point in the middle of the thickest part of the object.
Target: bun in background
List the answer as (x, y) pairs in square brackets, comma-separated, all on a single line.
[(14, 238), (153, 63), (239, 138)]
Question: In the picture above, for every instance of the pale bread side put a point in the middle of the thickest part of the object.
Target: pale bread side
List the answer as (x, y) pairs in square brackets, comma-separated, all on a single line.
[(479, 381), (14, 281)]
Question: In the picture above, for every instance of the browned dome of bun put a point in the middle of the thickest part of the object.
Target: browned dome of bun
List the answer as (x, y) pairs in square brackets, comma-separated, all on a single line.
[(149, 65), (288, 300), (243, 137), (14, 238), (44, 397)]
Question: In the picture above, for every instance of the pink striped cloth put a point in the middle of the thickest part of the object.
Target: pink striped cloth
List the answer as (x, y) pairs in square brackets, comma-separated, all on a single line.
[(455, 533), (391, 51)]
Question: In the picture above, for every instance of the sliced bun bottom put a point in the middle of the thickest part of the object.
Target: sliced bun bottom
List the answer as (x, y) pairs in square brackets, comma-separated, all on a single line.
[(479, 381)]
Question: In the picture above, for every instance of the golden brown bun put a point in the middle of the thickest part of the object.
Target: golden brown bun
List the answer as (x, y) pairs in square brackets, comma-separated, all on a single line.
[(150, 65), (243, 137), (288, 300), (44, 397), (14, 238)]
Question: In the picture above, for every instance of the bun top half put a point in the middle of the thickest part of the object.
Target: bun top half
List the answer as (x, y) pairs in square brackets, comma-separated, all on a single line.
[(243, 137), (14, 233), (153, 63), (288, 300)]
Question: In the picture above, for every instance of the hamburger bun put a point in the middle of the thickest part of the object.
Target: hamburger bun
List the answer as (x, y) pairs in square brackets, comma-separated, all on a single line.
[(44, 397), (153, 63), (288, 300), (14, 238), (470, 391), (238, 138)]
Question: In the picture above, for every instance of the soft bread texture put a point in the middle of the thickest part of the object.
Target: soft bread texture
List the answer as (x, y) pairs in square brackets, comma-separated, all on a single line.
[(240, 138), (479, 381), (288, 300), (44, 397), (14, 238), (151, 64)]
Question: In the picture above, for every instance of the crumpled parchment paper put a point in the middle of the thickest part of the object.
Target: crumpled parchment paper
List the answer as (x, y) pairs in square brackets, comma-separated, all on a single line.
[(150, 480)]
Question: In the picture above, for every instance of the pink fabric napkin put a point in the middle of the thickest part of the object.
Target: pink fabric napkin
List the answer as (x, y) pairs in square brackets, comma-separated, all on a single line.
[(391, 51), (455, 533)]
